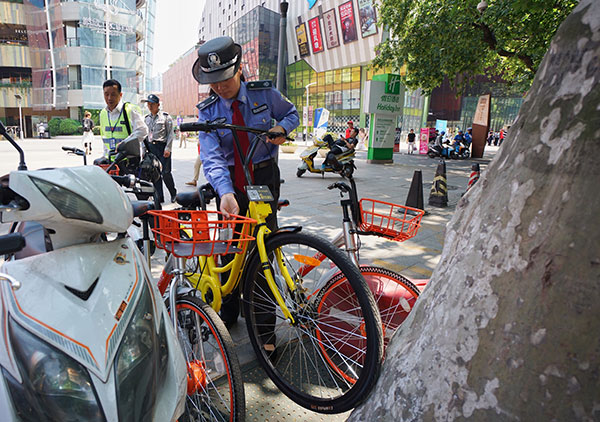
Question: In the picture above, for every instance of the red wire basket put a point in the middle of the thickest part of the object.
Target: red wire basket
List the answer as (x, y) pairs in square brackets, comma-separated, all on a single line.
[(392, 221), (186, 233), (114, 171)]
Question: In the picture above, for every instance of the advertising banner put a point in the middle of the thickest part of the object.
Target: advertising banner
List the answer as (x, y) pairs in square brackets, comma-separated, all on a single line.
[(330, 28), (347, 22), (441, 125), (302, 40), (424, 140), (315, 35), (321, 119), (368, 18)]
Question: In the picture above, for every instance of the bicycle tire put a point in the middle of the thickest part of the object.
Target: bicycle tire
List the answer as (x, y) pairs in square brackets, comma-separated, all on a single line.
[(395, 296), (220, 395), (297, 366)]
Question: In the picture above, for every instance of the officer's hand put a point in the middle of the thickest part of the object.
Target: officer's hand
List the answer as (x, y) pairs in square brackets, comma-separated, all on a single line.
[(229, 205), (167, 153), (279, 140)]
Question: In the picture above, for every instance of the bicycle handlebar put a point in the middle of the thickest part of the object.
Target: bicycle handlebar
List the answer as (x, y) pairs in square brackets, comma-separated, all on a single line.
[(341, 186), (210, 126), (10, 243)]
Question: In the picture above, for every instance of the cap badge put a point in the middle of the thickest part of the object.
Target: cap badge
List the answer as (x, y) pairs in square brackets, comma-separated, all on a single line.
[(213, 60)]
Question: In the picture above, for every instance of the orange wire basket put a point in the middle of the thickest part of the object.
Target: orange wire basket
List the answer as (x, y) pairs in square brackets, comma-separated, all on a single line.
[(186, 233), (392, 221), (114, 171)]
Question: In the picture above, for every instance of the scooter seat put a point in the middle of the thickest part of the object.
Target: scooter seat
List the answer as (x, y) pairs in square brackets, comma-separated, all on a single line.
[(188, 199)]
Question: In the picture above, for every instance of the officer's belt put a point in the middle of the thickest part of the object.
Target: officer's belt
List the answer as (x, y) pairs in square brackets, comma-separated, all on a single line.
[(266, 163)]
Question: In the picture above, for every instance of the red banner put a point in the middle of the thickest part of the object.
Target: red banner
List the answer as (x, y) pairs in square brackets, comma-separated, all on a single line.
[(315, 35), (348, 23)]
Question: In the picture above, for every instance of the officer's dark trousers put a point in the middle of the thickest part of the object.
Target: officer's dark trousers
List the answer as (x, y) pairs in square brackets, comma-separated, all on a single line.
[(267, 175), (158, 149)]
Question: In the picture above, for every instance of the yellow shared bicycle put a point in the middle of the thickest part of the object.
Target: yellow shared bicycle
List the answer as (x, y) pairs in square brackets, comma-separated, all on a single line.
[(321, 346)]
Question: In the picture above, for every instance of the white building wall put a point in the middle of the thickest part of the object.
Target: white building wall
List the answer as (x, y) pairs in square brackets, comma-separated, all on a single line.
[(358, 52)]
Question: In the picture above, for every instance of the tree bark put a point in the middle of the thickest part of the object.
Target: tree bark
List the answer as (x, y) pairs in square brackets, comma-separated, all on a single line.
[(508, 328)]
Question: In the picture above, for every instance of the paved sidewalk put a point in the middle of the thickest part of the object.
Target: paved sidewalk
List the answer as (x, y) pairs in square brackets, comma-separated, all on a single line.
[(317, 209)]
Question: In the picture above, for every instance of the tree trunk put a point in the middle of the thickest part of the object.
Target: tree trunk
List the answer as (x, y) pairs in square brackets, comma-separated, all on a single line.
[(508, 328)]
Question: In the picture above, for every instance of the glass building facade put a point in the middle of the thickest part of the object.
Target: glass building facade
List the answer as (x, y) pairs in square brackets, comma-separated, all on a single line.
[(63, 50), (258, 33)]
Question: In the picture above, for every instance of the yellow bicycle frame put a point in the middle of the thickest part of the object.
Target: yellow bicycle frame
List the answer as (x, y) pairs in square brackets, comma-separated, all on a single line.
[(208, 280)]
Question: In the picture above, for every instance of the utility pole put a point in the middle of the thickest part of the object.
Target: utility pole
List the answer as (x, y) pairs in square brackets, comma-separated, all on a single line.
[(283, 7)]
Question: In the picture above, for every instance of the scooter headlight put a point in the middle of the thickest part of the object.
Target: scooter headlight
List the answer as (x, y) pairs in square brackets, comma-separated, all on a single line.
[(69, 204), (54, 387), (137, 364)]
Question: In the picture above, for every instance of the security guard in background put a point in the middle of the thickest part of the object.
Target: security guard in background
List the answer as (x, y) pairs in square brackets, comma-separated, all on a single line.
[(253, 104), (160, 142), (120, 123)]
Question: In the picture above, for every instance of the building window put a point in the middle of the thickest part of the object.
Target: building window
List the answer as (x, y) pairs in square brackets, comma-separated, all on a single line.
[(13, 34)]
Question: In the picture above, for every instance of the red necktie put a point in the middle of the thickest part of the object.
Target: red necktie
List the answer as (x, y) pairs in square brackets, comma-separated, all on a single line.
[(238, 175)]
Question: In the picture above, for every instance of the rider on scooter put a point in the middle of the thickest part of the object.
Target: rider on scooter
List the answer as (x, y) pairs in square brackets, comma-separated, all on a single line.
[(339, 147)]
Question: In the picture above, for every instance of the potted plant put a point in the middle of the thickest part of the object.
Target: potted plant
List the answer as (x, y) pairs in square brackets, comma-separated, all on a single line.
[(288, 147)]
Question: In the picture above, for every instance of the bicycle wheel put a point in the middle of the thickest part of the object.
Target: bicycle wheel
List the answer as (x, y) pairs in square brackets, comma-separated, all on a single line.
[(395, 295), (292, 353), (215, 386)]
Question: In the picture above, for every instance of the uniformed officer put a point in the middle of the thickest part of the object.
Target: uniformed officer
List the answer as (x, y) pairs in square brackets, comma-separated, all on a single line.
[(253, 104), (120, 123), (160, 142)]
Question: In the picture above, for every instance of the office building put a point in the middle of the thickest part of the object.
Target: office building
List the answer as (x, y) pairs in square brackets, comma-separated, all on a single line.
[(69, 49)]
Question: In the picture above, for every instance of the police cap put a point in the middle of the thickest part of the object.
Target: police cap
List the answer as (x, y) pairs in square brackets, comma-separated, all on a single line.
[(218, 60)]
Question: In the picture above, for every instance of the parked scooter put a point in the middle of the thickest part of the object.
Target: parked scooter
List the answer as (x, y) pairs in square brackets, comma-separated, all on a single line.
[(445, 151), (86, 335), (346, 160)]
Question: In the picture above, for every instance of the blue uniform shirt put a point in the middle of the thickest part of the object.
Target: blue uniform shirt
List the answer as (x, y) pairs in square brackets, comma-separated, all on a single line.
[(260, 104)]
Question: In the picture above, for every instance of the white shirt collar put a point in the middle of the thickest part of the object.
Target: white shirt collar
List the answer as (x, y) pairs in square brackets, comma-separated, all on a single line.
[(117, 109)]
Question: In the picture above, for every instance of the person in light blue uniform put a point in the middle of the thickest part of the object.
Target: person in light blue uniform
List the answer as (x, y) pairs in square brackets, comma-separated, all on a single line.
[(261, 106)]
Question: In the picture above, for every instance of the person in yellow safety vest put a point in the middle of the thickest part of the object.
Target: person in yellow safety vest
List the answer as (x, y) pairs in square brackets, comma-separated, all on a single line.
[(121, 124)]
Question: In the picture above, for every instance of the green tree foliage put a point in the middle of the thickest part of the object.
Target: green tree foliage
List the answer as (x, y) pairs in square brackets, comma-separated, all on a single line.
[(54, 126), (69, 127), (435, 39)]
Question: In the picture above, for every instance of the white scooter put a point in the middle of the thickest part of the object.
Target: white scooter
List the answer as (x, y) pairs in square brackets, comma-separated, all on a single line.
[(84, 335)]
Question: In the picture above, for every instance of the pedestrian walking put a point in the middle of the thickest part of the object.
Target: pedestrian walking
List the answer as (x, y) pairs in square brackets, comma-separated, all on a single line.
[(88, 135), (160, 143), (411, 141), (197, 166), (120, 123), (490, 138), (239, 102)]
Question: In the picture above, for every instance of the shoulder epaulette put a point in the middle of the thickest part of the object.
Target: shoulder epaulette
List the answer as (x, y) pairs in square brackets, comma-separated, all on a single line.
[(165, 113), (210, 100), (259, 85)]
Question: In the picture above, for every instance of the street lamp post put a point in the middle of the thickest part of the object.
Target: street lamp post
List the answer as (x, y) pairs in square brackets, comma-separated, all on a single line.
[(19, 98), (306, 122)]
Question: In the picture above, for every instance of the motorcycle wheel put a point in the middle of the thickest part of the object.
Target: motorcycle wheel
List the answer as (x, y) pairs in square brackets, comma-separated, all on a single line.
[(300, 172), (466, 154), (453, 155), (431, 154)]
